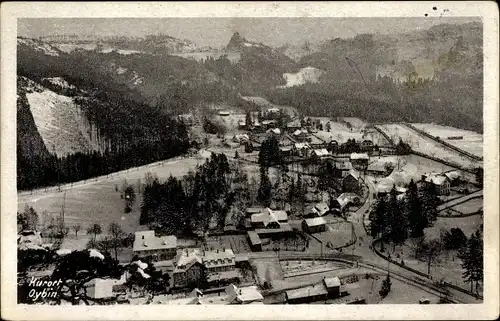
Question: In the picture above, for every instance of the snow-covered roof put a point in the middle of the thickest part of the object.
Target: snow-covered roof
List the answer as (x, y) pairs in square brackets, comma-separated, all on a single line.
[(146, 240), (268, 215), (317, 221), (300, 132), (276, 131), (353, 173), (436, 179), (244, 294), (302, 145), (308, 291), (321, 152), (452, 175), (187, 258), (359, 156), (96, 253), (322, 208), (332, 282)]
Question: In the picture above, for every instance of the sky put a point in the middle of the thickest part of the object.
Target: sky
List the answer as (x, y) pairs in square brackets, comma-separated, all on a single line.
[(216, 32)]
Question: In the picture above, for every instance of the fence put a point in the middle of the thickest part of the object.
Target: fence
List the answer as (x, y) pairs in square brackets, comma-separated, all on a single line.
[(384, 134), (439, 160), (428, 276), (436, 139)]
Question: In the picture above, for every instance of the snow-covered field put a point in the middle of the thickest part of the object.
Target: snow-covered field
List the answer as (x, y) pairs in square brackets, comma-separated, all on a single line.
[(60, 122), (305, 75), (341, 133), (426, 145), (472, 142)]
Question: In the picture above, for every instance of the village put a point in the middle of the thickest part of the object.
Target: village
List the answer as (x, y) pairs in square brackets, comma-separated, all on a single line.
[(311, 235)]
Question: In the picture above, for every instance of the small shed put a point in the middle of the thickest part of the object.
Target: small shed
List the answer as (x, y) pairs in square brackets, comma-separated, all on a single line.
[(314, 225), (332, 285)]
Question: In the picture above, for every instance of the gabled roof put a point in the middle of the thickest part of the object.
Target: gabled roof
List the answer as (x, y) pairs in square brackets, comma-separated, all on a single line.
[(268, 216), (187, 258), (322, 208), (452, 175), (353, 173)]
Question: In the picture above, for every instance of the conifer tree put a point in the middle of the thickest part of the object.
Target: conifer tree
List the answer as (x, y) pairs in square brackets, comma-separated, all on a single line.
[(472, 260), (416, 220)]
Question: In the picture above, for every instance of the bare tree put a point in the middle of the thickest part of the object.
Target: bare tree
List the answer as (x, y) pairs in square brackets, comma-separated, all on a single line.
[(431, 250), (77, 229), (117, 235)]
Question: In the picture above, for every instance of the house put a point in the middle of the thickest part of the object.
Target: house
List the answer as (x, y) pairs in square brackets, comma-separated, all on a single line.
[(242, 124), (274, 132), (293, 125), (333, 145), (146, 244), (322, 208), (243, 295), (283, 229), (195, 265), (341, 169), (377, 168), (359, 159), (314, 225), (269, 219), (254, 210), (311, 212), (320, 153), (301, 149), (254, 241), (351, 183), (188, 269), (219, 260), (367, 145), (268, 124), (311, 293), (29, 239), (100, 289), (332, 285), (345, 200), (441, 182), (241, 138), (301, 135), (454, 177), (286, 150)]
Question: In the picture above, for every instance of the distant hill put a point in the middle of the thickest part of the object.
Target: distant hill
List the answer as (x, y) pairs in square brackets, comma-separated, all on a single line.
[(155, 44)]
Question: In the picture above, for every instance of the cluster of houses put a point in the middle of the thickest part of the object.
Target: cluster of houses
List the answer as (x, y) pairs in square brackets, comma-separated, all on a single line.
[(231, 295), (191, 266), (442, 181)]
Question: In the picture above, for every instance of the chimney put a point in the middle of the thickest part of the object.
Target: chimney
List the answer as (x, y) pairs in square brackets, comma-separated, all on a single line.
[(143, 237), (217, 250)]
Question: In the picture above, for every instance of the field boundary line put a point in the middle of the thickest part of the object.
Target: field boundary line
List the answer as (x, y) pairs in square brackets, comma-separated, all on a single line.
[(442, 142)]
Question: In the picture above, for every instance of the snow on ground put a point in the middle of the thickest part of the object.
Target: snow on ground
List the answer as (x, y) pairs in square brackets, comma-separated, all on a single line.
[(59, 122), (305, 75), (39, 46), (472, 142), (426, 145), (59, 81)]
